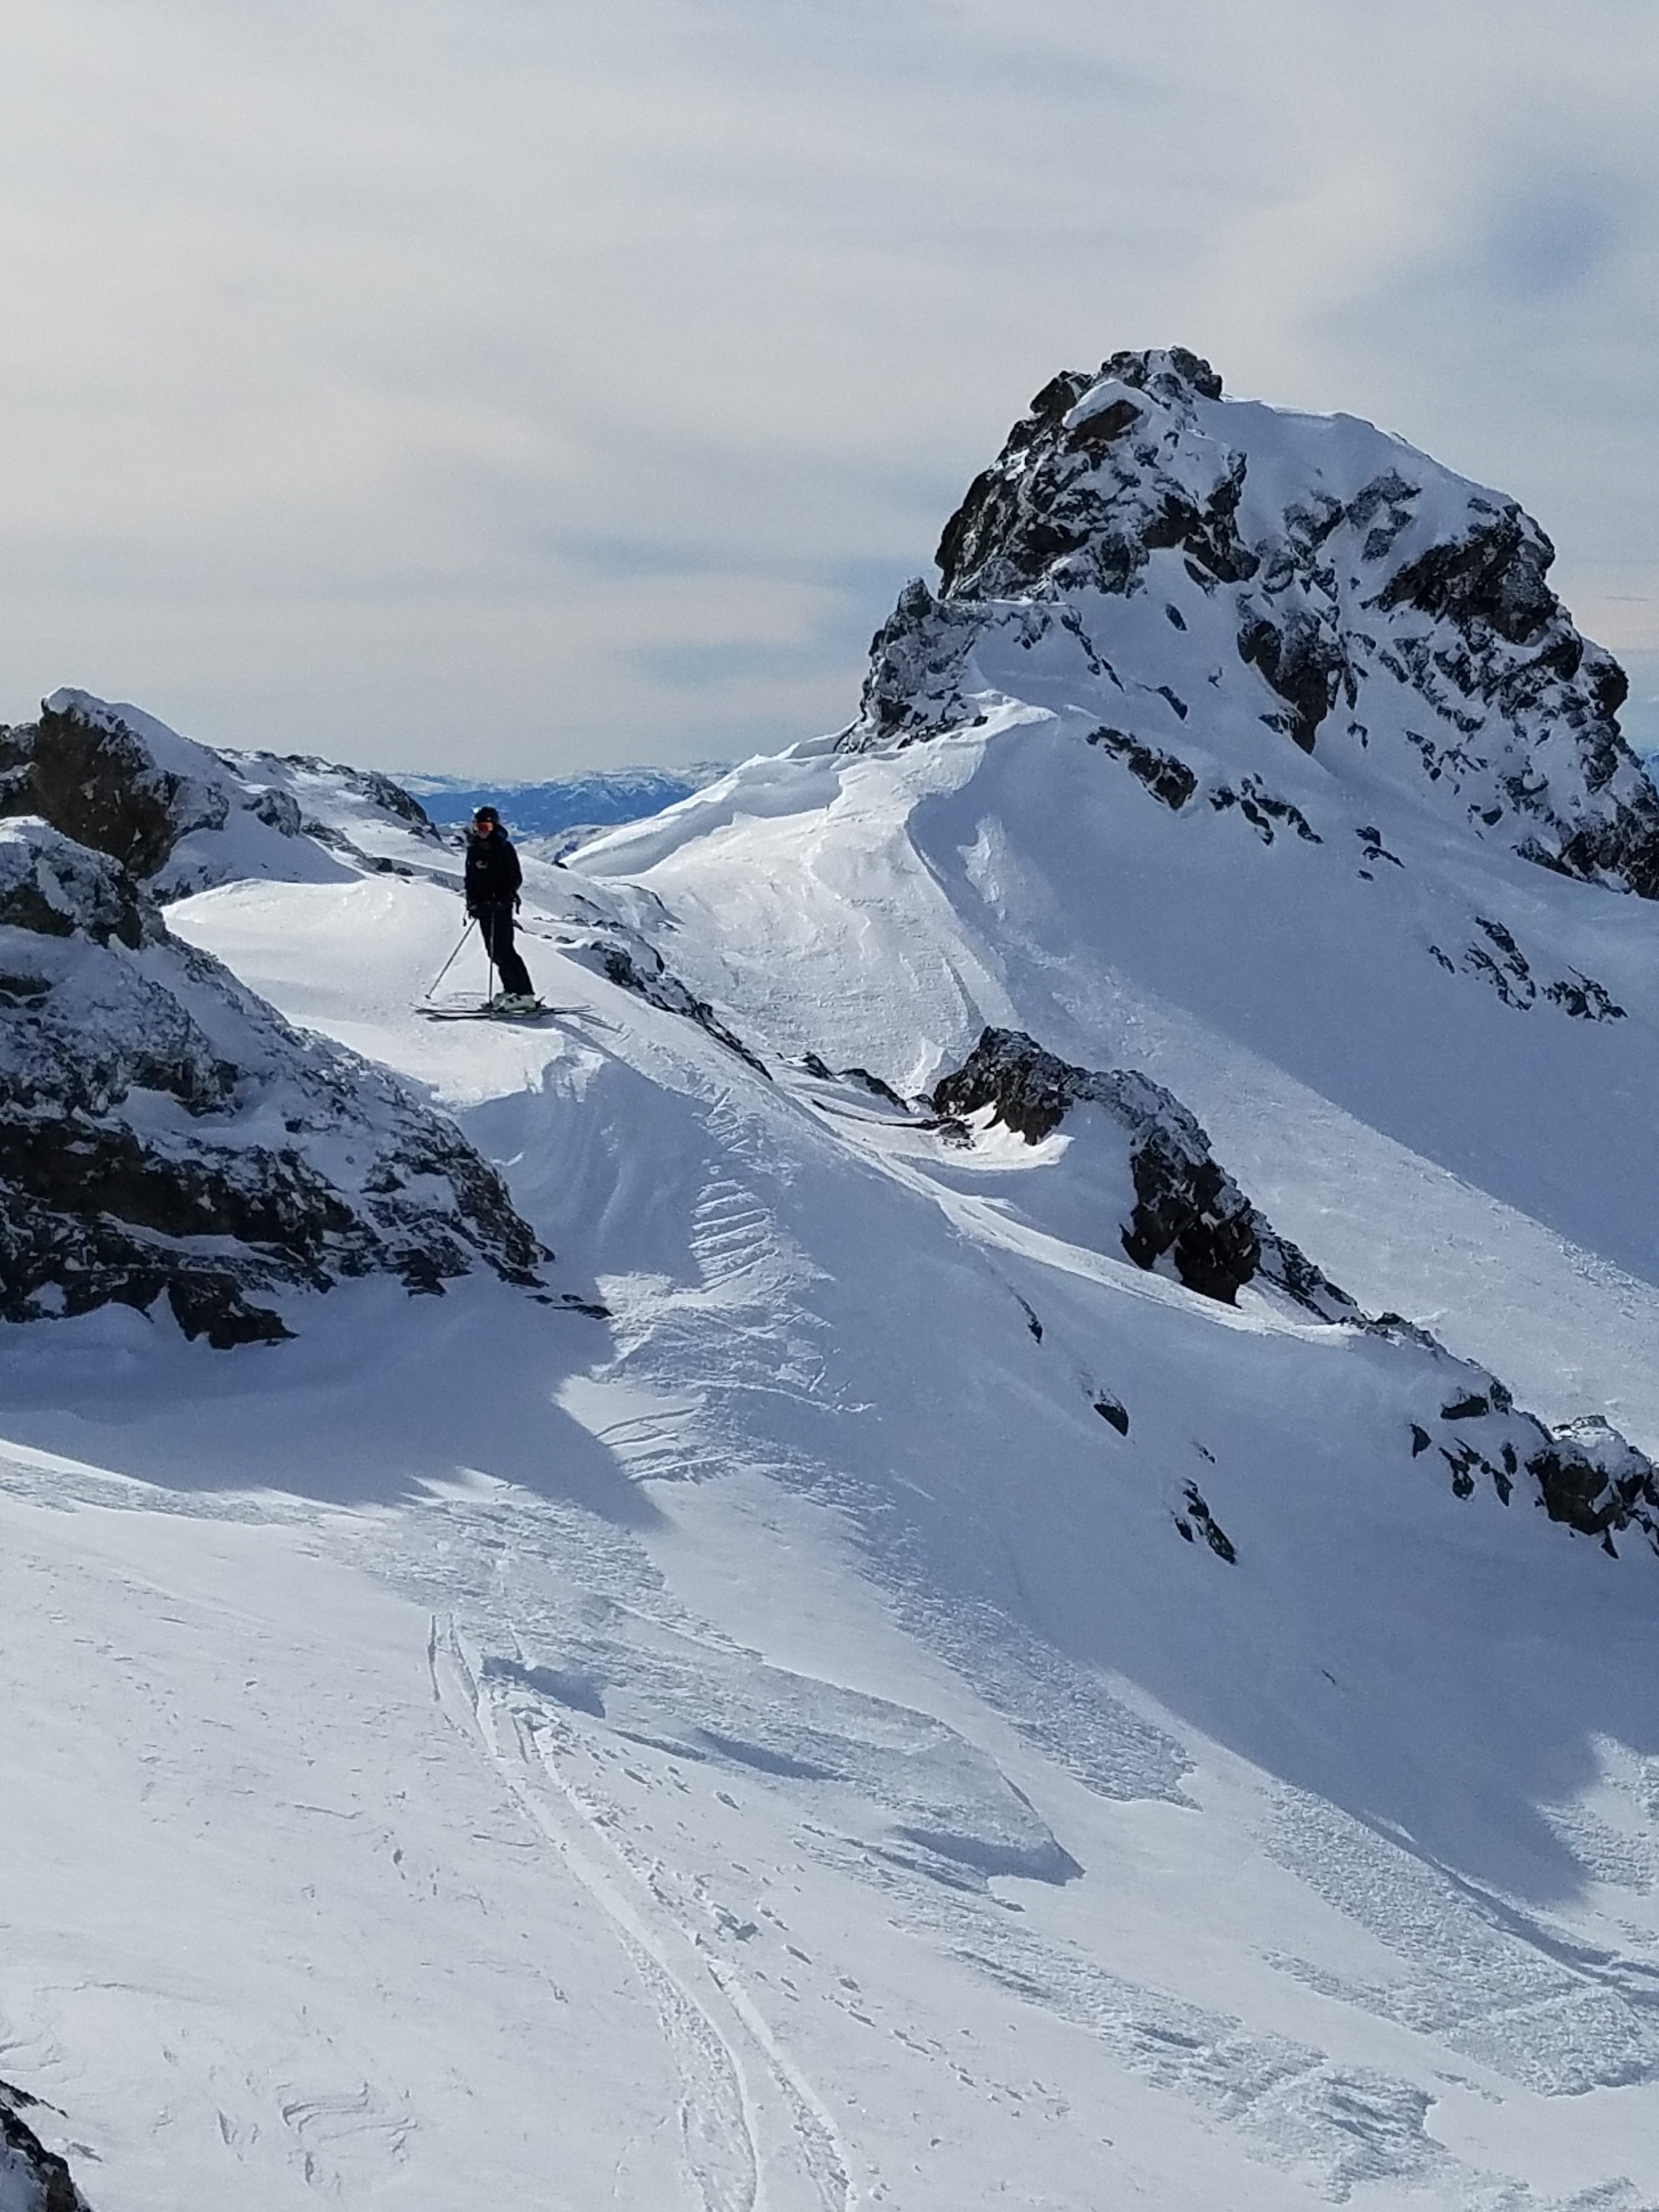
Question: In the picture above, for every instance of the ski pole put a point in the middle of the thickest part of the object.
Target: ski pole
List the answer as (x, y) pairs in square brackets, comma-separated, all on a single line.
[(454, 956)]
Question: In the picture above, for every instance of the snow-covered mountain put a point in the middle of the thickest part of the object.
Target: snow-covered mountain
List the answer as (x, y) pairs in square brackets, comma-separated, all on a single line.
[(563, 804), (1071, 1623), (1398, 619)]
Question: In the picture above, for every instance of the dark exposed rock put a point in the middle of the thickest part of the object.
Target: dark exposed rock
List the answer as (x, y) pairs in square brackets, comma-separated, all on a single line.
[(640, 969), (1041, 519), (57, 889), (1583, 998), (1167, 778), (381, 791), (180, 816), (1261, 809), (163, 1132), (1474, 1407), (1496, 575), (1187, 1208), (1112, 1412), (1588, 1477), (1302, 662), (1593, 1481), (816, 1065), (31, 2178), (1502, 964), (97, 782), (1214, 1536), (1460, 1463)]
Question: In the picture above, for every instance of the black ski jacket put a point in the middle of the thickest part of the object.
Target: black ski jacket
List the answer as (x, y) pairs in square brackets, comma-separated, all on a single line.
[(493, 874)]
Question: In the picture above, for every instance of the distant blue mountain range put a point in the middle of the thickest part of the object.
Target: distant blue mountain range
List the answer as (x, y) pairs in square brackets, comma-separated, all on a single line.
[(544, 810)]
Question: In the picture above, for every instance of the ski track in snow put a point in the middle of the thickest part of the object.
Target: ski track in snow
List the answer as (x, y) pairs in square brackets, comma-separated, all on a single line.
[(731, 2155), (716, 2129)]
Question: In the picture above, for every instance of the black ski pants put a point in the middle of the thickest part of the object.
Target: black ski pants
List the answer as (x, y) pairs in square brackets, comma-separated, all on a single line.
[(496, 923)]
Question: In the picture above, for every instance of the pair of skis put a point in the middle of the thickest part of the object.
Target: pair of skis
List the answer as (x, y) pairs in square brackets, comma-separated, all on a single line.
[(471, 1010)]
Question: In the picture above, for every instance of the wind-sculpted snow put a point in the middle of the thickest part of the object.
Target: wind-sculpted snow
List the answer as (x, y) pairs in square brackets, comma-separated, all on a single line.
[(947, 1810), (1150, 557), (164, 1133)]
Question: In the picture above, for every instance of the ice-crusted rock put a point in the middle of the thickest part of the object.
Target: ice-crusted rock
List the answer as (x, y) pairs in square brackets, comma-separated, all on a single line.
[(1143, 550), (1595, 1482), (183, 818), (1187, 1208), (1587, 1475), (31, 2178), (164, 1132)]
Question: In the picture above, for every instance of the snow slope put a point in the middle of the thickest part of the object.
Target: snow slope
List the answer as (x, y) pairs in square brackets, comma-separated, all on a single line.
[(912, 1709)]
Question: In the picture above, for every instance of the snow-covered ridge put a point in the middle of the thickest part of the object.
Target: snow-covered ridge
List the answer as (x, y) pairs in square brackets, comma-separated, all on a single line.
[(1151, 557), (163, 1132), (184, 817), (979, 1676)]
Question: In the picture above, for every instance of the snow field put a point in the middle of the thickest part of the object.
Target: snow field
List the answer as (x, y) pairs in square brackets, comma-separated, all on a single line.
[(913, 1816), (777, 1747)]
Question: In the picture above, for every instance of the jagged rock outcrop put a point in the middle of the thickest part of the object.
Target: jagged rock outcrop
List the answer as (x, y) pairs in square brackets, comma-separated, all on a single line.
[(1189, 1213), (31, 2178), (183, 818), (1142, 545), (1586, 1476), (164, 1132), (1188, 1209), (1595, 1482)]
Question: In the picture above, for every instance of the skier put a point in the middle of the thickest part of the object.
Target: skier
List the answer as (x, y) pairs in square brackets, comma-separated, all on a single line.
[(493, 877)]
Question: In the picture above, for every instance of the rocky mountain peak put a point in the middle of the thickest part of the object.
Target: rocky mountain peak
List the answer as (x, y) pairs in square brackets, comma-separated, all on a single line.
[(180, 816), (1104, 470), (1186, 570)]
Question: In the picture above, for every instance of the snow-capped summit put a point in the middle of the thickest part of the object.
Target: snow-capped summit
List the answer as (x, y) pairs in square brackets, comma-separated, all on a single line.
[(1148, 554), (974, 1669)]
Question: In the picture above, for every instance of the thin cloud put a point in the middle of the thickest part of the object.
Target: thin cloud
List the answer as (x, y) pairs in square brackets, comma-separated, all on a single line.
[(366, 364)]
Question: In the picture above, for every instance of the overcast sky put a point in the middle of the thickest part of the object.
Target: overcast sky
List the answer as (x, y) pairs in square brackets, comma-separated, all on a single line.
[(510, 386)]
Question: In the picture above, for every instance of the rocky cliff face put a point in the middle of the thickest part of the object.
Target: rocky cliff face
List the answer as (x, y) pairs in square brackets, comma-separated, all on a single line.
[(1155, 562), (183, 818), (1187, 1211), (1186, 1216), (31, 2178), (163, 1132)]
